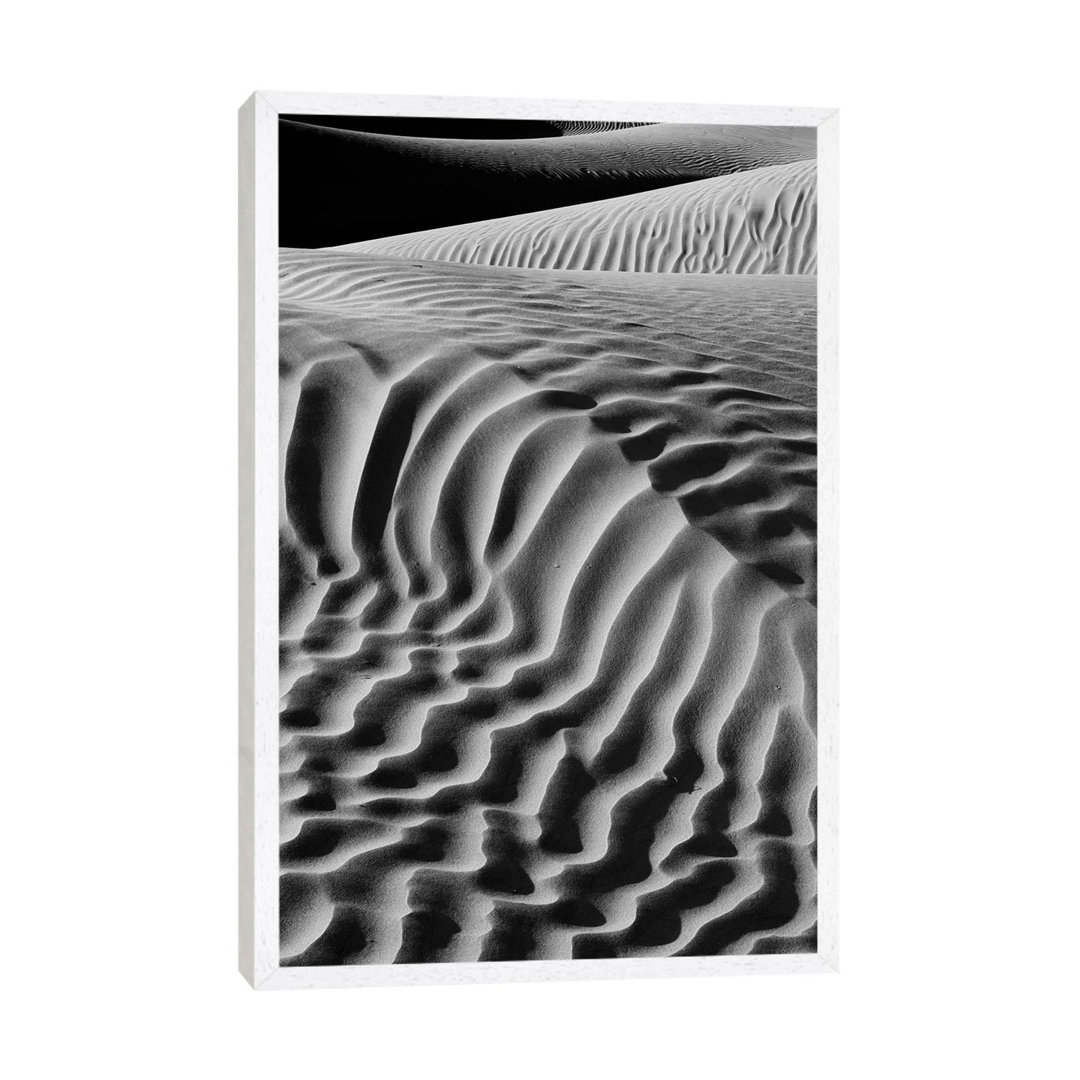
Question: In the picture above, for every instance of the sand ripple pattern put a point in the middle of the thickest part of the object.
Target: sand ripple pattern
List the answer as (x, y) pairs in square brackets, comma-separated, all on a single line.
[(547, 612), (757, 222), (590, 127)]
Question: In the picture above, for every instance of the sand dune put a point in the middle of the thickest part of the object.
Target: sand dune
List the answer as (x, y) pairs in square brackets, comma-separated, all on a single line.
[(757, 222), (547, 584), (590, 127), (342, 186)]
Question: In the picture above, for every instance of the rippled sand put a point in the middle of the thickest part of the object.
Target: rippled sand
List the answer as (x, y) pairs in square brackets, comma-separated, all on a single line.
[(547, 590), (757, 222)]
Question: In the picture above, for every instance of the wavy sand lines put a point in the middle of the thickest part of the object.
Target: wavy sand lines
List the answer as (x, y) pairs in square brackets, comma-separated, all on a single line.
[(758, 222), (548, 612)]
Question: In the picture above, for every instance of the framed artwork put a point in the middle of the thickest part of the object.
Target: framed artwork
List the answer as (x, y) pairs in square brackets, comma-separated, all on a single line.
[(537, 540)]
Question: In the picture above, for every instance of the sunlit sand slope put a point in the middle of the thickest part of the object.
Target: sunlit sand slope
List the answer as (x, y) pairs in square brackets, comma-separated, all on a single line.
[(547, 612), (758, 222)]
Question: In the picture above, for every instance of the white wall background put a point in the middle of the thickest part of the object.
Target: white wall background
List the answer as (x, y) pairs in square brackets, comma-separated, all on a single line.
[(959, 540)]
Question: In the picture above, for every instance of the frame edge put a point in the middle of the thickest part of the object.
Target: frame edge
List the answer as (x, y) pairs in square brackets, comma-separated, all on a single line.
[(257, 460), (828, 537), (257, 817), (245, 536), (542, 971), (330, 104)]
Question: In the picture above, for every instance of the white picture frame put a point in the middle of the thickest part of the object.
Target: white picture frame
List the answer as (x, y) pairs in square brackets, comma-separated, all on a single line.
[(258, 527)]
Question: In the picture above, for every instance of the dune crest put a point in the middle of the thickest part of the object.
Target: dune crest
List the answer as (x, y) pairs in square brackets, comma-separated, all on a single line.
[(684, 150), (757, 222), (591, 127)]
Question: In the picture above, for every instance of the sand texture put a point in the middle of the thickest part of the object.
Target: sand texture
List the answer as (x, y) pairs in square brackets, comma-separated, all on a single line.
[(757, 222), (548, 576)]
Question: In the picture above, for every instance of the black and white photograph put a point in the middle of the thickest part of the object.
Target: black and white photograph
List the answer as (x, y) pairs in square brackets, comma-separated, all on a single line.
[(548, 539), (534, 541)]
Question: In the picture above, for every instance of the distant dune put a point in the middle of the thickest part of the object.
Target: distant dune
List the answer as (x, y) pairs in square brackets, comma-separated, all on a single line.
[(341, 186), (758, 222), (588, 127), (547, 623)]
